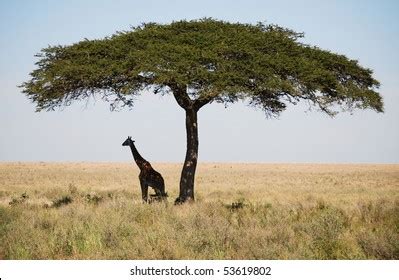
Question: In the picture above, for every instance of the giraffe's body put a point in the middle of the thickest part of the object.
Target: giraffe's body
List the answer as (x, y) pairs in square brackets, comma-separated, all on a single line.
[(148, 176)]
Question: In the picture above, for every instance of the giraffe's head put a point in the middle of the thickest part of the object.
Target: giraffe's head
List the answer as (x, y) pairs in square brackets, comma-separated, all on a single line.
[(128, 141)]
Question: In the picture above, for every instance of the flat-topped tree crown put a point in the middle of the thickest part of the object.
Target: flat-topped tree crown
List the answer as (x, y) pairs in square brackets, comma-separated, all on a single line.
[(207, 60), (199, 62)]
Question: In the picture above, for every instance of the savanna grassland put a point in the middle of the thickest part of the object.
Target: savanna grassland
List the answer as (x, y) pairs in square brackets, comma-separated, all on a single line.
[(243, 211)]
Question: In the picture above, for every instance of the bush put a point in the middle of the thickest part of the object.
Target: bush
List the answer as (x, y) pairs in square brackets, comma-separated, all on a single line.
[(93, 198), (19, 200), (66, 199)]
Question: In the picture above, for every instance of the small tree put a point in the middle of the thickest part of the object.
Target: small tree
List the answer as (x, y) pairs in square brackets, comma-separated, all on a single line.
[(199, 62)]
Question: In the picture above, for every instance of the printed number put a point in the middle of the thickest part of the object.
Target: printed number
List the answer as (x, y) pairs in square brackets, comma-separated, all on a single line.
[(247, 271), (268, 270)]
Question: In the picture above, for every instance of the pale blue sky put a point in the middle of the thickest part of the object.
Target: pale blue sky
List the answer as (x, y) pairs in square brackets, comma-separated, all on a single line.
[(363, 30)]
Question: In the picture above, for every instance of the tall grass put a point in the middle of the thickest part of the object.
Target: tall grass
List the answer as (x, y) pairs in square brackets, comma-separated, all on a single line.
[(60, 216)]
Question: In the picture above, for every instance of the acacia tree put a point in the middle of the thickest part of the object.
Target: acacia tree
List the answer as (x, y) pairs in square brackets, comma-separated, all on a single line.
[(199, 62)]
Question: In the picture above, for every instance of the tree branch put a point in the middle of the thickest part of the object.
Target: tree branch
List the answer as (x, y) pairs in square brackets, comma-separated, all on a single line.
[(203, 100), (181, 96)]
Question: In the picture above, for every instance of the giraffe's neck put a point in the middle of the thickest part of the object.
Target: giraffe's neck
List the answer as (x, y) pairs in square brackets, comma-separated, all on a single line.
[(140, 161)]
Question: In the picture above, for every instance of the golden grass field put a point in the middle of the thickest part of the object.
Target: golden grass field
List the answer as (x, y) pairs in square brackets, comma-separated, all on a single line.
[(242, 211)]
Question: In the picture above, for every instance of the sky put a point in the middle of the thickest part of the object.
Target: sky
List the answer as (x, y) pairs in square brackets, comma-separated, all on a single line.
[(364, 30)]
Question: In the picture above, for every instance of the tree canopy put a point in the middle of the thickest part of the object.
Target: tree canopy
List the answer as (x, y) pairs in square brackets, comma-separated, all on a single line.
[(210, 60)]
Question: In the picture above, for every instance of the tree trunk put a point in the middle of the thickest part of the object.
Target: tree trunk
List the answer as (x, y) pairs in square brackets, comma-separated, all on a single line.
[(190, 163)]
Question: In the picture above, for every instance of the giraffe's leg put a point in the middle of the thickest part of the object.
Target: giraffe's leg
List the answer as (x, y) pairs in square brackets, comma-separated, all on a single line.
[(160, 190), (144, 191), (158, 194)]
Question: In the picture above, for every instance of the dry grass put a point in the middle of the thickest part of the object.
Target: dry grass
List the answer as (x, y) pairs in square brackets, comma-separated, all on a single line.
[(243, 211)]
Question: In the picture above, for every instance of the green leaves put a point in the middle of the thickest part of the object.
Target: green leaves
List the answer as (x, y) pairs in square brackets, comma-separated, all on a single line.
[(208, 60)]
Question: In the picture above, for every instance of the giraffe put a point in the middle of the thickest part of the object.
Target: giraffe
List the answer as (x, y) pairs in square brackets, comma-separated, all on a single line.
[(148, 176)]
